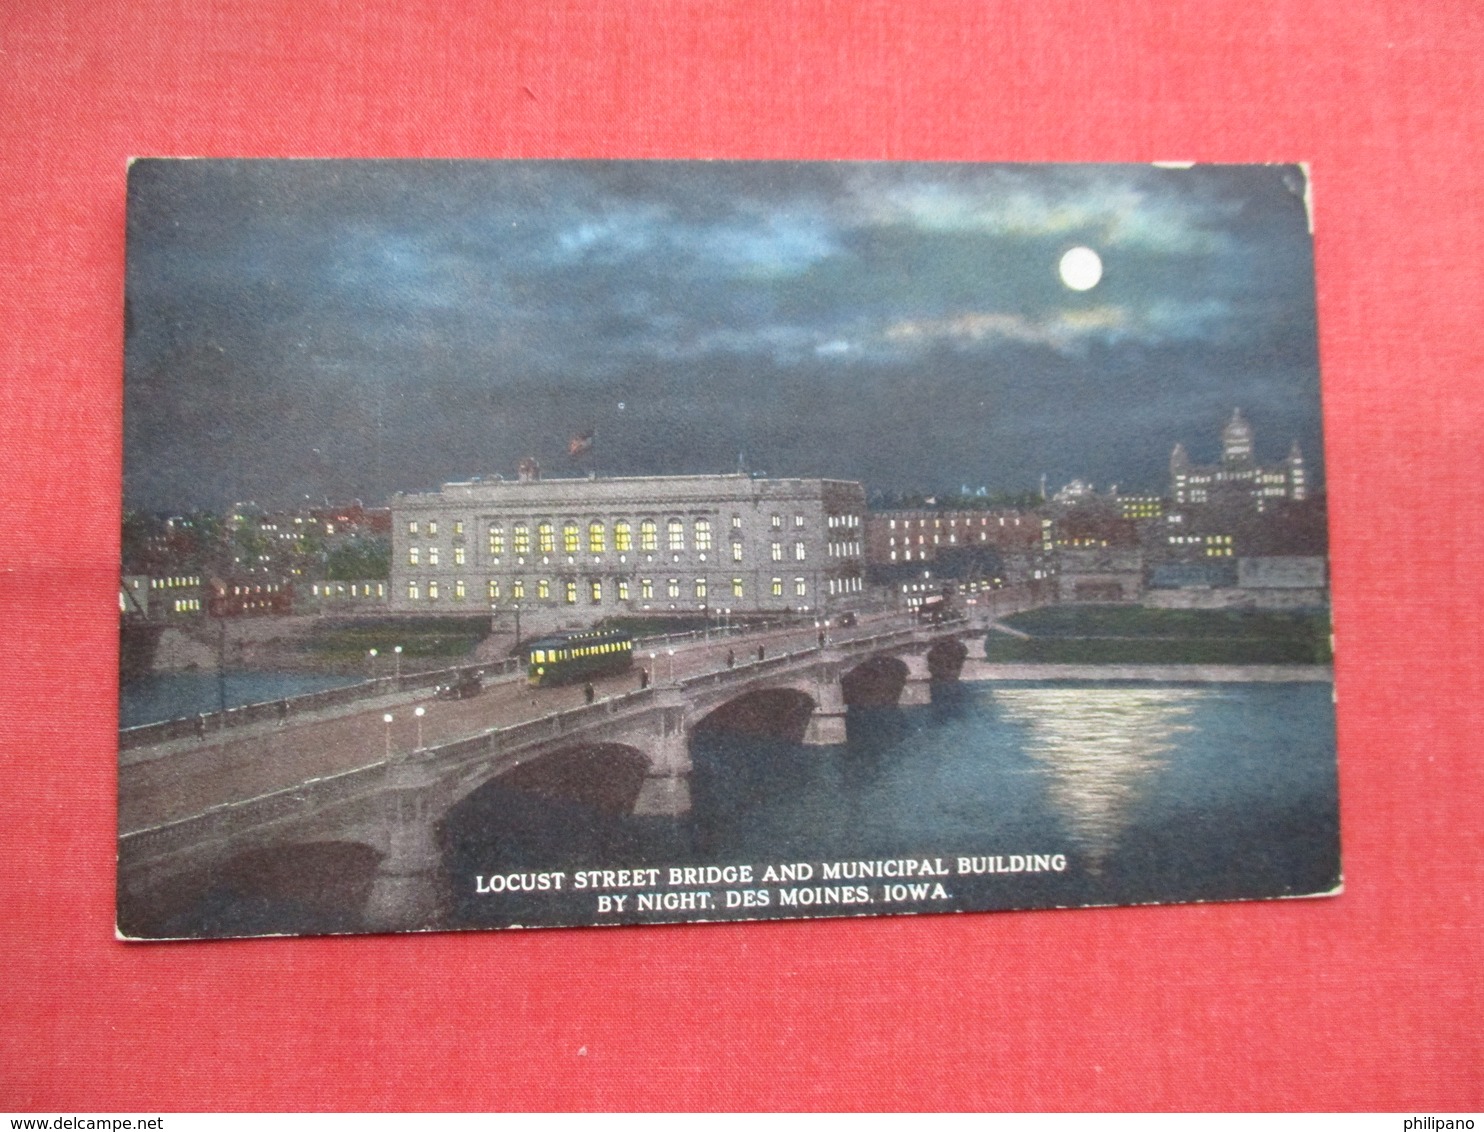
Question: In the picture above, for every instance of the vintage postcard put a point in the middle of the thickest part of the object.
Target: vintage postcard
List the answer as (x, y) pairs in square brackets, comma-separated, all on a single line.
[(539, 543)]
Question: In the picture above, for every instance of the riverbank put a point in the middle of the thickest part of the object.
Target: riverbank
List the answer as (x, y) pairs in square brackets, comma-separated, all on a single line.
[(984, 670)]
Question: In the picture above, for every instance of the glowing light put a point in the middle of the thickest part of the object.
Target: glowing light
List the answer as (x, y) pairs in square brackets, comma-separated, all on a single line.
[(1080, 269)]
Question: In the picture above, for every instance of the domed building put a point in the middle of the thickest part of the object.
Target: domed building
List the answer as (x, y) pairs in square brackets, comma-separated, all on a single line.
[(1239, 478)]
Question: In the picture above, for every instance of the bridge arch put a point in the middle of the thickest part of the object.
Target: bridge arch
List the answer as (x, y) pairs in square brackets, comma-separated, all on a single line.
[(945, 659), (779, 712), (310, 887), (567, 809), (876, 681)]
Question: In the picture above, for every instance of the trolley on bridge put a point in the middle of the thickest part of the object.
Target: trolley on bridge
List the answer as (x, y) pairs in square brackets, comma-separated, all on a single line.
[(564, 657)]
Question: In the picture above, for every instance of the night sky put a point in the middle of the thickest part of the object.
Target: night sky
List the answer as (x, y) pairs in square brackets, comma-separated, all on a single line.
[(347, 329)]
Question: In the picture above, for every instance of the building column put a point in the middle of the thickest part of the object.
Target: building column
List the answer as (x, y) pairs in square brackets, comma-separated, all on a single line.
[(406, 891)]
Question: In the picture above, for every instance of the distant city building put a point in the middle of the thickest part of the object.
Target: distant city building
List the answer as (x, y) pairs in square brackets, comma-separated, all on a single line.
[(1100, 573), (174, 595), (580, 549), (913, 553), (345, 597), (923, 535), (1239, 478), (245, 596), (1275, 582), (1140, 506)]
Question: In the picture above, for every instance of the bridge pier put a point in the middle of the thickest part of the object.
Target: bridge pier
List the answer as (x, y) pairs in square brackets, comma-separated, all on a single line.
[(827, 725), (666, 790), (918, 690), (406, 891)]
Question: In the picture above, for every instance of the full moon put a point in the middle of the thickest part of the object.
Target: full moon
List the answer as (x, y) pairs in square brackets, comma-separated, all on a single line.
[(1081, 269)]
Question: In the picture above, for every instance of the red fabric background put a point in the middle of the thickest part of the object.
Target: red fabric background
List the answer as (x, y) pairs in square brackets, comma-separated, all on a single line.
[(1371, 1000)]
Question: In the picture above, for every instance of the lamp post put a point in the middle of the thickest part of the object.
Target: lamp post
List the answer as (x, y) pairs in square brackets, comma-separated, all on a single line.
[(671, 653), (387, 719), (397, 652), (420, 712), (371, 662)]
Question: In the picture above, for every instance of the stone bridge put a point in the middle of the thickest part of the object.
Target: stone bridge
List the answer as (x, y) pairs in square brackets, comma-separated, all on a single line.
[(623, 754)]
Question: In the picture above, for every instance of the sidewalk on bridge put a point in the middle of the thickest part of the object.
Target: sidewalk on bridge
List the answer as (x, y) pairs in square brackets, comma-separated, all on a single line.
[(216, 738)]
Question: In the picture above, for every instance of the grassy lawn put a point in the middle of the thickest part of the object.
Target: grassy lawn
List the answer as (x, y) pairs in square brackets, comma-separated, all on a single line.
[(1118, 634), (419, 637)]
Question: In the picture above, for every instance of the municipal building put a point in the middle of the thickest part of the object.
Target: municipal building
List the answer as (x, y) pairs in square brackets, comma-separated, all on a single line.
[(570, 551)]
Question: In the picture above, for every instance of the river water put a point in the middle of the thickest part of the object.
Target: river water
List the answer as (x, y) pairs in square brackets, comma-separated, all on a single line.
[(178, 695), (1150, 793)]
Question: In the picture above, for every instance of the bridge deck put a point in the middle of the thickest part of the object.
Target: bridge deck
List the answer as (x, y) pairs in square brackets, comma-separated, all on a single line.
[(197, 776)]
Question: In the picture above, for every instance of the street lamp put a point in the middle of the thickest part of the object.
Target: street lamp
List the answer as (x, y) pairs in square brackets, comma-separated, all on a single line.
[(397, 652), (420, 712), (371, 662), (672, 664), (387, 719)]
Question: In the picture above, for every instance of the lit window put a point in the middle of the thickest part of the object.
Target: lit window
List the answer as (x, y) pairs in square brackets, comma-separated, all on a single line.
[(458, 527), (736, 587), (432, 591), (801, 588), (412, 556), (432, 532), (545, 538), (798, 552), (647, 531), (736, 522), (798, 520), (517, 589), (623, 589), (776, 521), (521, 538), (497, 540), (458, 556), (458, 589), (646, 588), (432, 556), (672, 587), (543, 590), (412, 526), (703, 534), (776, 552), (700, 589), (493, 590), (777, 587), (597, 538), (569, 591), (412, 594), (622, 539), (676, 540), (736, 552), (596, 588), (569, 538)]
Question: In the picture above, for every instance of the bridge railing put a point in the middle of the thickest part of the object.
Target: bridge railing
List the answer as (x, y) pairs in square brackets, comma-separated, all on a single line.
[(232, 818), (148, 734)]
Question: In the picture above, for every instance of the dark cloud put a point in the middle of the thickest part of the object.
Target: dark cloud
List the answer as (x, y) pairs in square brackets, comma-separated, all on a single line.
[(415, 321)]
